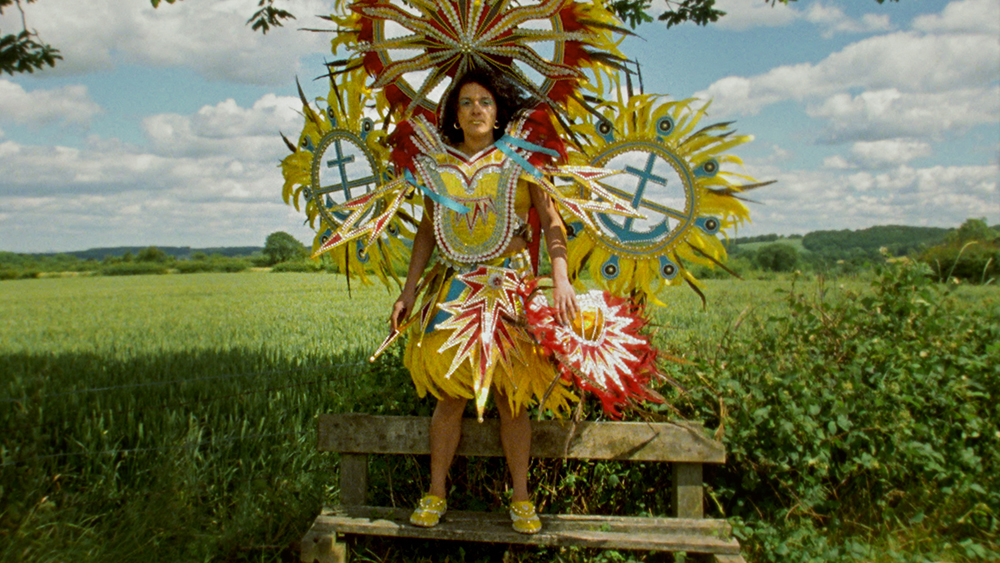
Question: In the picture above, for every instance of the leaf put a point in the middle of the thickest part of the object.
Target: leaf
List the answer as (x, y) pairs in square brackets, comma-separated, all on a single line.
[(844, 423)]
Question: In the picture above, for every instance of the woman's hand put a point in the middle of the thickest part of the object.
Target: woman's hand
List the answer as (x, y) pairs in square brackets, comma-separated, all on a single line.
[(402, 308), (564, 300)]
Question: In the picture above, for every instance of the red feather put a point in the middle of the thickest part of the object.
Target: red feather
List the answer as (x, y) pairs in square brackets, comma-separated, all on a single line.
[(542, 132), (403, 147)]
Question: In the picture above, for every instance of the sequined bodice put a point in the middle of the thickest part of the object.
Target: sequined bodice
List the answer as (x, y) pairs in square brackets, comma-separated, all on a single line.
[(491, 198)]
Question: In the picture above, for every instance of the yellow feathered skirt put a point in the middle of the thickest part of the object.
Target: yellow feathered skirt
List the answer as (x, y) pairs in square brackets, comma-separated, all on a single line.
[(485, 329)]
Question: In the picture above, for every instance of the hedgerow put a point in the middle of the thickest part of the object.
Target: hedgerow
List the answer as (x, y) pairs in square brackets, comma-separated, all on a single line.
[(860, 427)]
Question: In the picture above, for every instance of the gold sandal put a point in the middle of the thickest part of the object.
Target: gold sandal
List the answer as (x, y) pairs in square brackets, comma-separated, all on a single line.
[(524, 518), (429, 512)]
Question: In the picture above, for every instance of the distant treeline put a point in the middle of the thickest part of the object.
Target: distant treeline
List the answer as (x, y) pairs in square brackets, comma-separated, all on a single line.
[(281, 252), (763, 238), (896, 239), (178, 252), (970, 252)]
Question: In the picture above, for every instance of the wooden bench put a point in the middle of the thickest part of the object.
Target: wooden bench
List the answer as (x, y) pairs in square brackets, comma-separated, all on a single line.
[(685, 446)]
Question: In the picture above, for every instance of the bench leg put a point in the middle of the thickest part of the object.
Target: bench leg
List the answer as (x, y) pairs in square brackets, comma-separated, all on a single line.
[(353, 479), (687, 491), (323, 549)]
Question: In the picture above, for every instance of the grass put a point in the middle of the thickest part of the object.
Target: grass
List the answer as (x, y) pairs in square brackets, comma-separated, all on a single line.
[(173, 412), (170, 418), (291, 313)]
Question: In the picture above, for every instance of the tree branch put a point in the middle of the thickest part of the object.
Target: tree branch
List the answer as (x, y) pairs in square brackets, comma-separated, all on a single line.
[(22, 53)]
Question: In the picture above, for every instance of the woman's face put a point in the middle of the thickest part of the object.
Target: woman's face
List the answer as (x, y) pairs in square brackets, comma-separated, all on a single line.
[(477, 111)]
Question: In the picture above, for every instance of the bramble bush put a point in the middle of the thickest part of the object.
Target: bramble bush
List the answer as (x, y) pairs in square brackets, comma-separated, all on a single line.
[(859, 427)]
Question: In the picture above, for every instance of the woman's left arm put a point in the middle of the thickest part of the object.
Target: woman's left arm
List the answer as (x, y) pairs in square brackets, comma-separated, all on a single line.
[(563, 295)]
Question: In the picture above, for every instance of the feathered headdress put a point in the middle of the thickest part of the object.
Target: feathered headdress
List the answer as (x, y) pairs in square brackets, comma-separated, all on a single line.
[(548, 47)]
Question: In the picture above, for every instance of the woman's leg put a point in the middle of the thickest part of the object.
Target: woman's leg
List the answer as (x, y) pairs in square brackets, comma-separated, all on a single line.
[(515, 436), (446, 430)]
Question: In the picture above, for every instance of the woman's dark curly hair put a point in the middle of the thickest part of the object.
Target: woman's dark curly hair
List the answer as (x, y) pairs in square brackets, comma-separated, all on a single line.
[(510, 100)]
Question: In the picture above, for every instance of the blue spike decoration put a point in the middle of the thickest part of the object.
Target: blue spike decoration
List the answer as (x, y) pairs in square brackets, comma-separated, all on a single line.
[(573, 229), (610, 268), (710, 225), (668, 269), (361, 253), (707, 169), (664, 126), (606, 130)]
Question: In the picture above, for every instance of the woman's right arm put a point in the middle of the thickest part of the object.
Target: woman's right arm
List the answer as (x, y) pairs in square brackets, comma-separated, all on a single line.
[(423, 246)]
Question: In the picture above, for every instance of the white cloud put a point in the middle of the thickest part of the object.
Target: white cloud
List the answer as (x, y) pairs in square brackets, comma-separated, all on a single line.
[(70, 105), (741, 14), (836, 162), (966, 16), (227, 129), (141, 219), (888, 152), (208, 35), (804, 200), (906, 61), (211, 178), (68, 199), (885, 114), (874, 155), (833, 20), (778, 154)]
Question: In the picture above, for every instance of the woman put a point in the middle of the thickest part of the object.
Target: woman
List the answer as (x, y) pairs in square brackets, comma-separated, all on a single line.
[(477, 205)]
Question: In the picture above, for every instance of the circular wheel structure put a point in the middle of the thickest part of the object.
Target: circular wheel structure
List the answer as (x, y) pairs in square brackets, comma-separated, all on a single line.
[(669, 169), (660, 185), (413, 49), (343, 167)]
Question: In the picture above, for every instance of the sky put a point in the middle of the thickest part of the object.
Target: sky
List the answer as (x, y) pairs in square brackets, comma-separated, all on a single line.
[(161, 127)]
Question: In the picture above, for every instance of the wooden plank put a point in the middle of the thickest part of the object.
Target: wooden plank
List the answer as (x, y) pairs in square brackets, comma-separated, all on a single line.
[(718, 558), (694, 536), (686, 493), (636, 441), (559, 521), (353, 479)]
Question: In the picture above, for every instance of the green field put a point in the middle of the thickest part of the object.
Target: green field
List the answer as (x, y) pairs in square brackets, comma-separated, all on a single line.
[(170, 418), (795, 243)]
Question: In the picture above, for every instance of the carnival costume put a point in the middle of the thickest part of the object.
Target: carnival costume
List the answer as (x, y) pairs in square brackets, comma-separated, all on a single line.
[(643, 190)]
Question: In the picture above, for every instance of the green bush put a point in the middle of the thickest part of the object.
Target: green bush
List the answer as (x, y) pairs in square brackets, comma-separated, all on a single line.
[(741, 265), (777, 257), (225, 265), (17, 274), (133, 269), (283, 247), (299, 266), (193, 266), (856, 424), (975, 261), (232, 265), (152, 254)]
